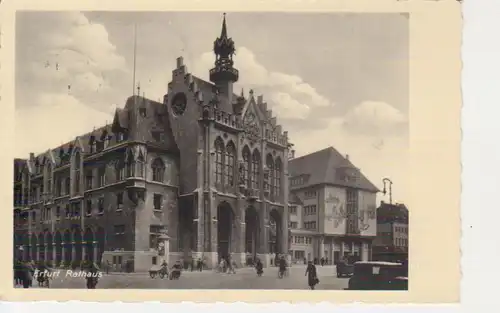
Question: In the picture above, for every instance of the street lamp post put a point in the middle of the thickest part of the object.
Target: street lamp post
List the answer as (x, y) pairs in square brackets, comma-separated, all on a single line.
[(387, 181)]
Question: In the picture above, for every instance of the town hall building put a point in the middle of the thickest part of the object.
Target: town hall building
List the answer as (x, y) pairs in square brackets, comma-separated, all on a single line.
[(201, 175)]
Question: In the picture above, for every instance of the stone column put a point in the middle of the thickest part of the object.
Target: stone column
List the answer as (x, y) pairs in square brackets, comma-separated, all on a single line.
[(241, 228), (46, 252), (63, 252), (322, 247), (84, 251), (263, 239), (37, 252), (54, 254), (96, 250), (213, 222), (73, 252), (284, 232), (200, 225)]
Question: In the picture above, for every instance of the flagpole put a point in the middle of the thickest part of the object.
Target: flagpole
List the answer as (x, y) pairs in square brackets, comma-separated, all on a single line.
[(135, 53)]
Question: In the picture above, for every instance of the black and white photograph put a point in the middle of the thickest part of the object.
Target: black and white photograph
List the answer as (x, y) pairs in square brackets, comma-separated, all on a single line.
[(211, 150)]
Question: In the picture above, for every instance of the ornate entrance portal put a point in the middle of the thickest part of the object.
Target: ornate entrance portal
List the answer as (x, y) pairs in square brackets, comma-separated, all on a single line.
[(225, 219)]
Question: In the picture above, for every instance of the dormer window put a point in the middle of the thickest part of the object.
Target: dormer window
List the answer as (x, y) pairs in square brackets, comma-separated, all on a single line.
[(61, 154), (92, 144), (106, 142), (119, 137), (99, 146)]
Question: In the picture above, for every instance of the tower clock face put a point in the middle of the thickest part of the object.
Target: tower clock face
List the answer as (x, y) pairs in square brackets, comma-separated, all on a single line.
[(179, 103)]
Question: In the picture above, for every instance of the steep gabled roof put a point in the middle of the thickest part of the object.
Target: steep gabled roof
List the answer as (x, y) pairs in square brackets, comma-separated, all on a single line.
[(324, 167)]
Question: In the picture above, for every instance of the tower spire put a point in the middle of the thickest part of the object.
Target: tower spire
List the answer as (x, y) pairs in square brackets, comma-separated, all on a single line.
[(224, 51), (223, 33), (223, 74)]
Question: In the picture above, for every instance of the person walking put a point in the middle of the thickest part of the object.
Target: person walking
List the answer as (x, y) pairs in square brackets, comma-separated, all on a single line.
[(92, 275), (312, 275), (258, 267)]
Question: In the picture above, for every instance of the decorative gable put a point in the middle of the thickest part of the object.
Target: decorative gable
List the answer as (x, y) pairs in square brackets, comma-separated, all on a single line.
[(77, 145)]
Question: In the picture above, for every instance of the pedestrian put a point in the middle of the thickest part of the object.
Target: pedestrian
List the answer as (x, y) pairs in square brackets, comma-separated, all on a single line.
[(312, 275), (192, 264), (92, 276), (200, 265), (231, 264), (108, 266), (282, 267), (258, 267), (26, 274)]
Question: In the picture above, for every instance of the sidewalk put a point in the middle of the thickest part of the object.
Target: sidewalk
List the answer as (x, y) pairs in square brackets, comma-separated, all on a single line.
[(184, 272)]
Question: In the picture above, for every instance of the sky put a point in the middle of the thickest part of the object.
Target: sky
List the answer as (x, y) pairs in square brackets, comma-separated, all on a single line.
[(332, 79)]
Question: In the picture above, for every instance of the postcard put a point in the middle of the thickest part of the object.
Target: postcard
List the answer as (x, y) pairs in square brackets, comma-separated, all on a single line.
[(295, 151)]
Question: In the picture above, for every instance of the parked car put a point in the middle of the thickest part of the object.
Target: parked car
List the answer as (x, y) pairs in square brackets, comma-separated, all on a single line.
[(376, 275), (344, 269)]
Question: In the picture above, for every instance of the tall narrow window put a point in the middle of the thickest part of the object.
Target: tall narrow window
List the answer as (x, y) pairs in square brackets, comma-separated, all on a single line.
[(246, 166), (277, 177), (88, 207), (140, 166), (92, 145), (158, 169), (120, 170), (130, 164), (255, 169), (219, 162), (89, 180), (100, 205), (119, 201), (102, 176), (105, 139), (157, 202), (67, 185), (76, 183), (270, 180), (230, 152)]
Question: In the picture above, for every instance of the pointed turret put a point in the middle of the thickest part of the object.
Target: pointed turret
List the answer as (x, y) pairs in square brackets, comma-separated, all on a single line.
[(223, 75)]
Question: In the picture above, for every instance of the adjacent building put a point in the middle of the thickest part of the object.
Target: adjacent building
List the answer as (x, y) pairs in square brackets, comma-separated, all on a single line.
[(201, 175), (333, 208), (392, 241)]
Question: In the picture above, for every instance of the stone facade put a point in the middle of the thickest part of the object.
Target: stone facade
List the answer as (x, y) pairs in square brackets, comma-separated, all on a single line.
[(206, 167)]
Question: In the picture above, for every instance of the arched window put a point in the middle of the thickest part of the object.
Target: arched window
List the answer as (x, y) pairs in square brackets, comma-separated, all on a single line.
[(255, 169), (270, 167), (219, 160), (277, 177), (246, 166), (158, 168), (140, 165), (230, 152)]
